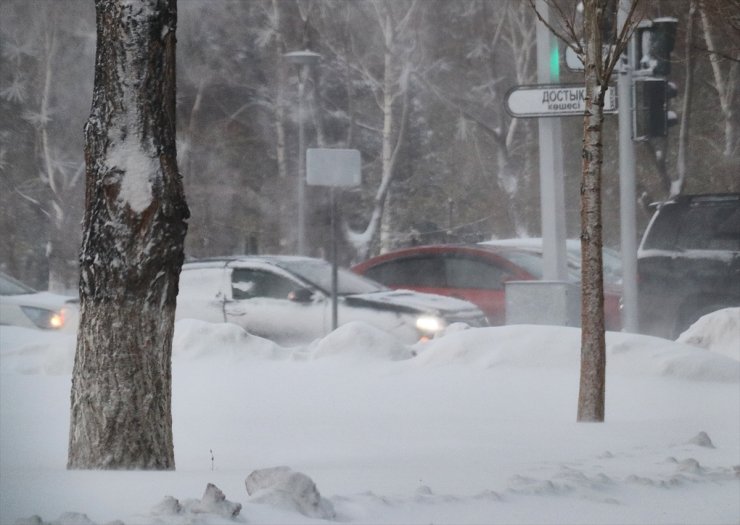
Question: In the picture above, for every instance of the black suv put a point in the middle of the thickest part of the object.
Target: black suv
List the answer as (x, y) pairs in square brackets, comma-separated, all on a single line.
[(689, 262)]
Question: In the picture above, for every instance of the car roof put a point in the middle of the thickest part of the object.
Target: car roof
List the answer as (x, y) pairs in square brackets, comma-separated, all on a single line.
[(228, 259), (445, 248), (712, 198), (495, 252)]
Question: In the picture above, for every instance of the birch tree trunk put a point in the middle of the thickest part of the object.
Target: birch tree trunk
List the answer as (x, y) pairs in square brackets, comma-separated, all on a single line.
[(593, 341), (393, 134), (598, 68), (683, 133), (132, 250), (725, 84)]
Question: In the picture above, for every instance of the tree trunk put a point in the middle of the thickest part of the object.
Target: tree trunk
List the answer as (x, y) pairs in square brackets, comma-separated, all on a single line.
[(593, 342), (683, 132), (723, 85), (132, 249)]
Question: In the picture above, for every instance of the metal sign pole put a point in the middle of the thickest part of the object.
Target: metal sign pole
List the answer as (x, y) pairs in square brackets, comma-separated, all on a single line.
[(552, 178), (334, 263), (333, 168), (627, 188)]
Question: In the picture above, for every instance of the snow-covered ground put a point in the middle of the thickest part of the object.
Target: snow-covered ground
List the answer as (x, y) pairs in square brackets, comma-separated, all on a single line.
[(477, 426)]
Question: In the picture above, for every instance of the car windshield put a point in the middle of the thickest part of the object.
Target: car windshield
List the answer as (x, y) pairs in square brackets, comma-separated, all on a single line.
[(318, 273), (532, 262), (9, 286)]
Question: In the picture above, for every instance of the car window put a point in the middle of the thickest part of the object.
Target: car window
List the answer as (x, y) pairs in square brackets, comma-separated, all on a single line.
[(422, 271), (318, 273), (463, 272), (710, 228), (663, 229), (247, 283), (9, 286)]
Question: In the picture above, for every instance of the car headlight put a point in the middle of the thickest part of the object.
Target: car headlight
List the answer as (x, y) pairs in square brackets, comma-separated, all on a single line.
[(429, 324), (43, 318)]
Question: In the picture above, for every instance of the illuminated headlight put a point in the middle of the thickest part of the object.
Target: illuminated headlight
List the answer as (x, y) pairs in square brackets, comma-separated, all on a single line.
[(48, 319), (429, 324)]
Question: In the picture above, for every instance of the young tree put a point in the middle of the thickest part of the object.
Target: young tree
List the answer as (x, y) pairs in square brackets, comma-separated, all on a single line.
[(45, 50), (719, 20), (132, 249), (386, 75), (598, 20)]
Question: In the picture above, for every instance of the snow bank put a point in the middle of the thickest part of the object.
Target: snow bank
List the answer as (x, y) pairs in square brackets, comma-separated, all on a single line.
[(195, 340), (28, 351), (192, 511), (284, 488), (52, 353), (717, 332), (478, 427), (559, 347), (358, 340)]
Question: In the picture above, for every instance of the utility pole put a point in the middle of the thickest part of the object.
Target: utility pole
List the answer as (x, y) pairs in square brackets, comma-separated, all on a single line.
[(552, 179), (627, 188)]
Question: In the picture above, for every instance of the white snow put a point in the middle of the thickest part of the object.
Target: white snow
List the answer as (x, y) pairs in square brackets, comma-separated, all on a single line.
[(136, 169), (476, 426), (718, 331)]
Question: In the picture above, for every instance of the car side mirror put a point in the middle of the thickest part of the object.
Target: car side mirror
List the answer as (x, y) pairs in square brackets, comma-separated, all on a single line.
[(301, 295)]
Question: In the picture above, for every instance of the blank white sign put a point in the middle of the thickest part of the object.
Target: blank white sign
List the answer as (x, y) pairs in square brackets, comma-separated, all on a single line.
[(332, 167)]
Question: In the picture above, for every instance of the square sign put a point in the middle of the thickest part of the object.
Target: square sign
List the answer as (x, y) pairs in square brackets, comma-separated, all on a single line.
[(332, 167)]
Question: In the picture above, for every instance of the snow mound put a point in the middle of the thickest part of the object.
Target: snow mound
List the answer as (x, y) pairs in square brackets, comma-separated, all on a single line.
[(68, 518), (516, 345), (641, 354), (36, 352), (195, 339), (213, 502), (559, 347), (717, 332), (361, 340), (286, 489)]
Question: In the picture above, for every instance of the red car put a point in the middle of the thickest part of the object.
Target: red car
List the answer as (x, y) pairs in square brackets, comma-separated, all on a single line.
[(476, 273)]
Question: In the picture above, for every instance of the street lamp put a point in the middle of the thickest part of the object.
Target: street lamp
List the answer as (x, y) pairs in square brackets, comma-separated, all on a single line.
[(305, 59)]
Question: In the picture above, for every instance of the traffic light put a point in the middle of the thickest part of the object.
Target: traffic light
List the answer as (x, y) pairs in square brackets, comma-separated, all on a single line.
[(652, 92), (652, 118), (655, 42)]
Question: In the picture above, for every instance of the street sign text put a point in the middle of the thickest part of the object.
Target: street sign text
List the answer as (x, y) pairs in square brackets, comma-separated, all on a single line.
[(557, 100)]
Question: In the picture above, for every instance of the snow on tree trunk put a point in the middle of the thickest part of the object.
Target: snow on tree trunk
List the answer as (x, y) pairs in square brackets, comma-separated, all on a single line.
[(593, 343), (132, 249)]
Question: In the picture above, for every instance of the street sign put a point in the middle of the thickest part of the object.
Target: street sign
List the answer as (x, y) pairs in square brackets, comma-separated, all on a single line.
[(335, 168), (556, 100), (332, 167)]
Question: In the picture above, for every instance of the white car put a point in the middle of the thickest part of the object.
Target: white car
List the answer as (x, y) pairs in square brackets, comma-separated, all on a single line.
[(288, 299), (21, 305)]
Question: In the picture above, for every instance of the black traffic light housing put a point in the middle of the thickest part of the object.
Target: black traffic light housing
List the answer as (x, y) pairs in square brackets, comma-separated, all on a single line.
[(653, 43), (652, 118)]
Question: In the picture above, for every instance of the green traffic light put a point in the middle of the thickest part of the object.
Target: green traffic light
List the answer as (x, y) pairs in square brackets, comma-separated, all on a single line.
[(554, 63)]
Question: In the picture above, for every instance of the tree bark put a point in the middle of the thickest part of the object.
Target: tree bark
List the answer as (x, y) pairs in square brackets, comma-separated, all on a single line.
[(593, 342), (683, 133), (132, 250), (725, 85)]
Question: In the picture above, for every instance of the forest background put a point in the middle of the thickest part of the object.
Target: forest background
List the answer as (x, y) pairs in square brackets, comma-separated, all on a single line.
[(418, 86)]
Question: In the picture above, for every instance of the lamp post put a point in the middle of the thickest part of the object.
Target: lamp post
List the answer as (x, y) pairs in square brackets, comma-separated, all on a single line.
[(305, 59)]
